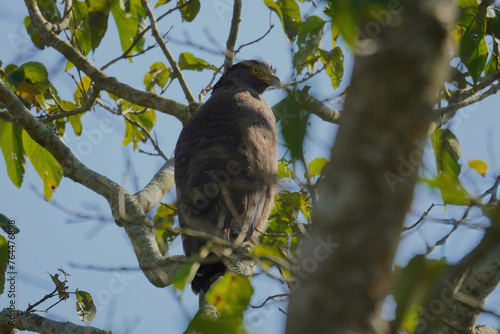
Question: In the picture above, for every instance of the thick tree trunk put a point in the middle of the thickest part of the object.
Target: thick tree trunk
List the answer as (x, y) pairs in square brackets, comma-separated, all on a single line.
[(345, 269)]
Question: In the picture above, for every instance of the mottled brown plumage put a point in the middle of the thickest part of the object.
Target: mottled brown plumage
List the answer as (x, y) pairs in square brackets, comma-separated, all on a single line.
[(226, 163)]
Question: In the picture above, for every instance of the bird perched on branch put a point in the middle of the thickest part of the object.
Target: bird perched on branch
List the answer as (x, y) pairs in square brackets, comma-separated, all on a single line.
[(226, 164)]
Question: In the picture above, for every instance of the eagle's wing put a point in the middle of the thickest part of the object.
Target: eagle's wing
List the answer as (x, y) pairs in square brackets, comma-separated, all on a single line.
[(225, 167)]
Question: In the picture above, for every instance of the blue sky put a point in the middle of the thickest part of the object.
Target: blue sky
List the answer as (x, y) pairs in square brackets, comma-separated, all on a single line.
[(127, 302)]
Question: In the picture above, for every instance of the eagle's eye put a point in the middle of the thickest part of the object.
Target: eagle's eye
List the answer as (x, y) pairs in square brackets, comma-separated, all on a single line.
[(255, 71)]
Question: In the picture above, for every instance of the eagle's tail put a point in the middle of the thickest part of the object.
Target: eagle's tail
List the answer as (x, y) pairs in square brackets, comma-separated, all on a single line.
[(206, 275)]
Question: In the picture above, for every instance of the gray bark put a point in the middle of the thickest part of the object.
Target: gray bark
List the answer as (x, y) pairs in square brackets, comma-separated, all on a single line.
[(368, 185)]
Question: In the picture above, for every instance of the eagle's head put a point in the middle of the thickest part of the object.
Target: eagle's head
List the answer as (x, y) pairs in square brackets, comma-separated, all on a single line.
[(252, 74)]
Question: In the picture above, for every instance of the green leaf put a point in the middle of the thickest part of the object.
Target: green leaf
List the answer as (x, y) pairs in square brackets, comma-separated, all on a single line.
[(345, 16), (479, 166), (63, 272), (85, 307), (284, 171), (60, 285), (189, 12), (316, 166), (158, 74), (473, 48), (161, 3), (180, 279), (467, 4), (81, 90), (275, 8), (130, 18), (289, 13), (8, 225), (187, 61), (134, 134), (291, 17), (163, 222), (413, 284), (34, 34), (452, 190), (98, 11), (31, 72), (230, 295), (79, 26), (283, 222), (492, 65), (76, 123), (162, 77), (308, 40), (335, 31), (447, 152), (294, 122), (45, 164), (287, 205), (334, 65), (494, 24), (11, 144), (50, 12), (261, 251), (4, 260)]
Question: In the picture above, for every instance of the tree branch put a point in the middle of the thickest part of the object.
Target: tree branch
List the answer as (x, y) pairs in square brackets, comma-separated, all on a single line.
[(158, 187), (90, 101), (102, 80), (126, 209), (469, 296), (150, 137), (47, 138), (233, 34), (470, 281), (318, 108), (156, 34), (27, 321), (465, 98), (64, 24), (6, 117), (344, 285)]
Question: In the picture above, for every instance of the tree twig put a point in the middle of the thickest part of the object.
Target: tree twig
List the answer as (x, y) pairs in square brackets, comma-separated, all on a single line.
[(465, 98), (156, 34), (424, 215), (153, 141), (270, 298), (89, 103), (271, 26), (36, 323), (233, 34), (64, 24), (101, 79)]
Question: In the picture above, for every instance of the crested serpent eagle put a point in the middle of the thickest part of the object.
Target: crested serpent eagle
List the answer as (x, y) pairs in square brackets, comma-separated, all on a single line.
[(226, 164)]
